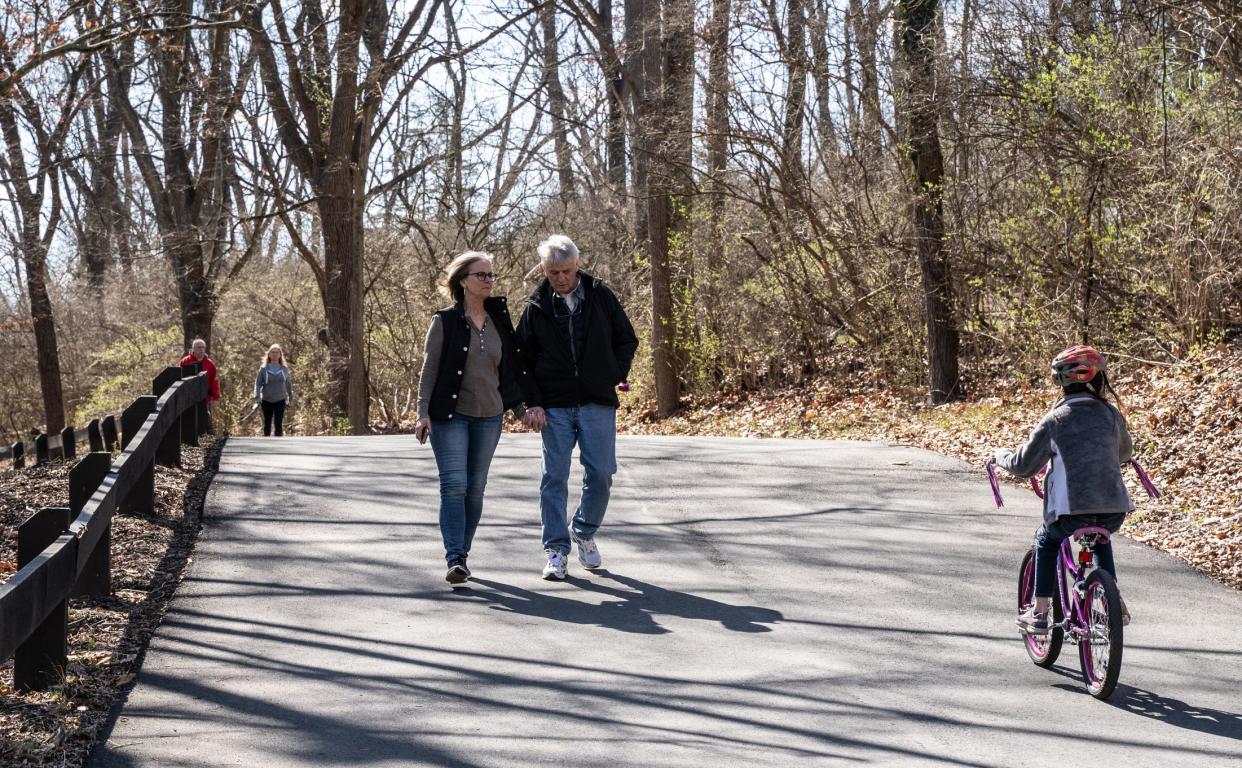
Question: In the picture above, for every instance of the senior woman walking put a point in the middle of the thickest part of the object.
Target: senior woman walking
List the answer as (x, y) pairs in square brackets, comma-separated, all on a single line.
[(472, 373)]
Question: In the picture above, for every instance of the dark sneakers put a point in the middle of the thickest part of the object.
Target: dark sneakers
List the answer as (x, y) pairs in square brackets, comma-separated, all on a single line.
[(457, 571)]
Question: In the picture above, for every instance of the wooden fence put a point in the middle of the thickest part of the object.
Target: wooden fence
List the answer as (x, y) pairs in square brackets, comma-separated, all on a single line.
[(65, 552)]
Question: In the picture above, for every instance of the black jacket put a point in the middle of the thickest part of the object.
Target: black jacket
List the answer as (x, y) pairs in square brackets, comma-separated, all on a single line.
[(515, 386), (566, 374)]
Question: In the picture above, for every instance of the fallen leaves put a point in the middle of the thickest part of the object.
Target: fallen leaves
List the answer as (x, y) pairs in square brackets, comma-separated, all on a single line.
[(58, 727)]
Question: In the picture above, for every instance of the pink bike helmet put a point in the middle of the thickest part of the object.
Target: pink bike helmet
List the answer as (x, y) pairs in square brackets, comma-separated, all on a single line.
[(1077, 365)]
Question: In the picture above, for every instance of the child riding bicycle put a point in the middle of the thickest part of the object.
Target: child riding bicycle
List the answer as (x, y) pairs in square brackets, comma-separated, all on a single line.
[(1085, 438)]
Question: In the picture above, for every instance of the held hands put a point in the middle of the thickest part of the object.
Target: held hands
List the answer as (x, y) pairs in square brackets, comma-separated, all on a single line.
[(535, 418), (422, 429)]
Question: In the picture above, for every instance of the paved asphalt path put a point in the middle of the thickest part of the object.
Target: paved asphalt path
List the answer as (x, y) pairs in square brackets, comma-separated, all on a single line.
[(763, 603)]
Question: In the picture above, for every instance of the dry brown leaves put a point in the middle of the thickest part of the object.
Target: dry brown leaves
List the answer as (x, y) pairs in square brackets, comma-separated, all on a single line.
[(107, 636), (1186, 421)]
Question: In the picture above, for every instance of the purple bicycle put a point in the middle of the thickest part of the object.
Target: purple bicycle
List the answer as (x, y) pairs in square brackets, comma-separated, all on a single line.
[(1086, 607)]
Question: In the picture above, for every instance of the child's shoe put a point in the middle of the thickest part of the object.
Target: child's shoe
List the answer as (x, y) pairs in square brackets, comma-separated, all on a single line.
[(1033, 623)]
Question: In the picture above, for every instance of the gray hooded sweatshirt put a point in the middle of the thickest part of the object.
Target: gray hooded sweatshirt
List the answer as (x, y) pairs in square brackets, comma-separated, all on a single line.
[(273, 387), (1086, 440)]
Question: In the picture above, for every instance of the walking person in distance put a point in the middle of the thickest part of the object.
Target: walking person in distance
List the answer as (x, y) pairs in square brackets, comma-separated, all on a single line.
[(273, 390), (472, 372), (198, 354), (578, 344)]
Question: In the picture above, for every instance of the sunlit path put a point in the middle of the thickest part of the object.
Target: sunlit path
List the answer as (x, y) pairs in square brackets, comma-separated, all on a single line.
[(763, 602)]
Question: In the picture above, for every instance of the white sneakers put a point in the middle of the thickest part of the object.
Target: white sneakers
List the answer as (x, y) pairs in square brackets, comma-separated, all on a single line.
[(588, 553), (556, 568)]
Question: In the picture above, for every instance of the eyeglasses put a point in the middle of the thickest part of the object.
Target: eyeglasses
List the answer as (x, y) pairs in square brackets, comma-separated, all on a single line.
[(484, 276)]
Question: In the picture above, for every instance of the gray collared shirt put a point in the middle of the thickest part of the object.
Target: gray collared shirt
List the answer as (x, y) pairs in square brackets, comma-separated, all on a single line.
[(572, 298)]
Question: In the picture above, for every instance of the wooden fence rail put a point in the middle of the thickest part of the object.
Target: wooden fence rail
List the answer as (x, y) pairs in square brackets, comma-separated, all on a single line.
[(65, 551)]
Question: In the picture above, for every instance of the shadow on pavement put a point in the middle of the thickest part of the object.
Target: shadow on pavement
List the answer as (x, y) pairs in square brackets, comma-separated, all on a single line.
[(634, 610), (1178, 713), (1215, 722)]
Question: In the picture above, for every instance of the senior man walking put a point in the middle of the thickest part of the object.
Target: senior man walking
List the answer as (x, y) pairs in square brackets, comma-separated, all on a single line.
[(578, 344)]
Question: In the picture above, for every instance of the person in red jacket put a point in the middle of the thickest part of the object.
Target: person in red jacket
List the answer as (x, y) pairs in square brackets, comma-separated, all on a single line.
[(198, 354)]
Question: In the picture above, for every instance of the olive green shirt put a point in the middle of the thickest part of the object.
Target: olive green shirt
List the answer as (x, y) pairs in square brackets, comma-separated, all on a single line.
[(479, 395)]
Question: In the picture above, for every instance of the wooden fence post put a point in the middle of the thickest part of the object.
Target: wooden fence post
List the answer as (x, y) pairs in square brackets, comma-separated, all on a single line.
[(109, 433), (41, 449), (95, 434), (19, 455), (189, 417), (141, 500), (68, 443), (39, 663), (84, 479), (169, 452)]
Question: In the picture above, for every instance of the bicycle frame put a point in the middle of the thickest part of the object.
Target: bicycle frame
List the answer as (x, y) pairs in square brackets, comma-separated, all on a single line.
[(1076, 622)]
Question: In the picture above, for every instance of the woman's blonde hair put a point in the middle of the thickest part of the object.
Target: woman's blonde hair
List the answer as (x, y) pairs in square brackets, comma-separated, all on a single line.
[(275, 348), (456, 271)]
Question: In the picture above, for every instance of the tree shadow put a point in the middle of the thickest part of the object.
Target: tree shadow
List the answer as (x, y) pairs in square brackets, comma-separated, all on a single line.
[(1151, 705), (1216, 722), (635, 608)]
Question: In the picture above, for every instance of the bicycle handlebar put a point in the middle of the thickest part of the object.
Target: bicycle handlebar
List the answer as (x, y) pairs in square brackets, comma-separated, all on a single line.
[(1146, 482)]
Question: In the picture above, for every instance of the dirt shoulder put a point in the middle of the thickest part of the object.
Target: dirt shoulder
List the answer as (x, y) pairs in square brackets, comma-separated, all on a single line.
[(106, 636), (1186, 421)]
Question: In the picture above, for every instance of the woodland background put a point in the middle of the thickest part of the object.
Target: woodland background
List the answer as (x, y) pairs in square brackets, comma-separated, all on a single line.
[(827, 218), (919, 196)]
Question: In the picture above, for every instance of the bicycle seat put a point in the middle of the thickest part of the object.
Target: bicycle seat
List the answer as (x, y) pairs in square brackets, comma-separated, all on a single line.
[(1094, 531)]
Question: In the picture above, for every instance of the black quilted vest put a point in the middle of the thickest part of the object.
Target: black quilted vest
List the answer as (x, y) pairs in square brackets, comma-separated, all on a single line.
[(457, 330)]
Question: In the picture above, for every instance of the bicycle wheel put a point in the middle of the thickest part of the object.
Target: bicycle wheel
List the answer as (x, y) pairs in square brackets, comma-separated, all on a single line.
[(1099, 647), (1043, 649)]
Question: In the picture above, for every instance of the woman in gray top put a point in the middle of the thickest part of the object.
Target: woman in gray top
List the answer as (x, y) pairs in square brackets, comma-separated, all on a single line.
[(472, 372), (273, 390)]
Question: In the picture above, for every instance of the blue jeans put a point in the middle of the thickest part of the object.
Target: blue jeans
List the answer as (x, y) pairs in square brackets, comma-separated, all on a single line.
[(1048, 543), (464, 446), (594, 429)]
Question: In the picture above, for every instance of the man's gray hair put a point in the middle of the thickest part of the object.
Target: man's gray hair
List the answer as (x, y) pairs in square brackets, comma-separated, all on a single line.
[(557, 248), (198, 341)]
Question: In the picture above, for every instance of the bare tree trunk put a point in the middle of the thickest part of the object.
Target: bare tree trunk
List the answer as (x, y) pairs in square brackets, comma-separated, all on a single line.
[(666, 107), (339, 98), (642, 67), (185, 172), (717, 120), (556, 101), (922, 104), (34, 258), (31, 190), (717, 140), (105, 227), (821, 66), (679, 48), (793, 174), (864, 20), (196, 296), (614, 73), (965, 108)]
